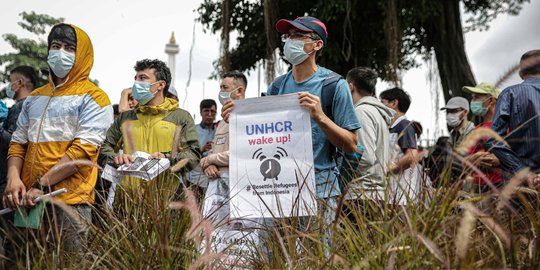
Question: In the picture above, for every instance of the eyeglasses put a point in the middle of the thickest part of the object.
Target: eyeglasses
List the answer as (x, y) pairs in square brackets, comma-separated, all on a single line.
[(299, 35)]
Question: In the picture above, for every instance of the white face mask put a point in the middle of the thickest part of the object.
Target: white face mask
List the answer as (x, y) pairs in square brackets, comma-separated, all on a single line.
[(293, 50), (453, 119), (61, 62), (225, 96)]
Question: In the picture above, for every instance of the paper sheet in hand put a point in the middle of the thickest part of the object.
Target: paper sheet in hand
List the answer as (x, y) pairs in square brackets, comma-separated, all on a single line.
[(271, 158), (143, 168)]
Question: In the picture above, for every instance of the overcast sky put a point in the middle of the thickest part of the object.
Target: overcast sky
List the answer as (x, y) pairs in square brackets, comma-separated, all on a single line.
[(124, 31)]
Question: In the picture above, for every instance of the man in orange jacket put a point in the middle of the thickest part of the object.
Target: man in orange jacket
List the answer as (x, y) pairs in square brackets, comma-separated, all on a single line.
[(58, 136)]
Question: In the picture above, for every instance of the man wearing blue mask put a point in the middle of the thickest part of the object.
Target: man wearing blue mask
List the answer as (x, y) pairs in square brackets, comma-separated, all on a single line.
[(327, 97), (155, 126), (60, 122), (22, 80)]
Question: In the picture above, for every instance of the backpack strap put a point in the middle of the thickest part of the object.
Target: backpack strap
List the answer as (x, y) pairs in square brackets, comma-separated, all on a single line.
[(328, 93), (276, 84)]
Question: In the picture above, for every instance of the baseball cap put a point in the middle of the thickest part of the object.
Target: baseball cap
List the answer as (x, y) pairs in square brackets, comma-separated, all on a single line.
[(483, 89), (457, 103), (304, 24)]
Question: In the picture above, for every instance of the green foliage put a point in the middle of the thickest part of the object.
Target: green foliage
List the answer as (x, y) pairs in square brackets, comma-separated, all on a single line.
[(30, 52), (356, 28)]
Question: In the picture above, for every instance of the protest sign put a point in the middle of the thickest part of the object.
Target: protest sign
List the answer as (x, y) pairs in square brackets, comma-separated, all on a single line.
[(271, 158)]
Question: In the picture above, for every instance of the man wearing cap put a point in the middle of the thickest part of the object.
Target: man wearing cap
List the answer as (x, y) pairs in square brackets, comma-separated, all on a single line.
[(457, 110), (483, 102), (304, 39)]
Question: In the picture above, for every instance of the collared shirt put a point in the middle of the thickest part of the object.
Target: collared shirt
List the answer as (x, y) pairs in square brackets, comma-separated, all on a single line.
[(517, 112), (206, 134), (459, 134)]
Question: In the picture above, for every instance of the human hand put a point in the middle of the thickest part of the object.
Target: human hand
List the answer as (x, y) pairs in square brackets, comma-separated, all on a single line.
[(31, 195), (123, 159), (207, 146), (313, 104), (156, 155), (211, 172), (127, 92), (15, 191), (226, 110)]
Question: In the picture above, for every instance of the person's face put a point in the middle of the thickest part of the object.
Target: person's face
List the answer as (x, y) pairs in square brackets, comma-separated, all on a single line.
[(485, 99), (393, 104), (132, 102), (16, 82), (208, 115), (228, 85), (310, 44), (148, 75), (57, 45)]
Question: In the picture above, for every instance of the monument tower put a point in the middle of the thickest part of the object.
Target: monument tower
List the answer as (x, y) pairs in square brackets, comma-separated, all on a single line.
[(172, 50)]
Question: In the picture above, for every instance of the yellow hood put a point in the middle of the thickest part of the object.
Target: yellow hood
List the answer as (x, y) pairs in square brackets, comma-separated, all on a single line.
[(84, 58)]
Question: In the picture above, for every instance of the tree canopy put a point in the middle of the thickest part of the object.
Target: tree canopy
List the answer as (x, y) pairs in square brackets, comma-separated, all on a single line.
[(385, 35), (30, 52)]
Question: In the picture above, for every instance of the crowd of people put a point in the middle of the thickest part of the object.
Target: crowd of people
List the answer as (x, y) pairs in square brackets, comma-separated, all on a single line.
[(364, 147)]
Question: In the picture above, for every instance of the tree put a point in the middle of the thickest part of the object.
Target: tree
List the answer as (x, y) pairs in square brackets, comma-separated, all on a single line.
[(30, 52), (385, 35)]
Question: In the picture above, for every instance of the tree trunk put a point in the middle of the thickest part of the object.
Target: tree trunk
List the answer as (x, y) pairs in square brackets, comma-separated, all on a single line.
[(270, 19), (445, 35), (225, 31)]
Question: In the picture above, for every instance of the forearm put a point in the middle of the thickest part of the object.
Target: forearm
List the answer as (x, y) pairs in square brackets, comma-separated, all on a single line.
[(341, 138), (219, 159), (59, 172), (123, 105), (14, 165), (405, 162)]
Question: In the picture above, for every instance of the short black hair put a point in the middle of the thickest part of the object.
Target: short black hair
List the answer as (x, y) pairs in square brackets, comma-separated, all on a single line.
[(207, 103), (238, 77), (116, 109), (64, 33), (161, 71), (29, 73), (532, 68), (396, 93), (363, 78), (418, 128)]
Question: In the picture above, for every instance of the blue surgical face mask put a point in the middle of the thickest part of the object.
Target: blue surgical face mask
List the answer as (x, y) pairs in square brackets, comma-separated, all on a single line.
[(477, 108), (226, 96), (9, 91), (61, 62), (141, 92), (293, 51)]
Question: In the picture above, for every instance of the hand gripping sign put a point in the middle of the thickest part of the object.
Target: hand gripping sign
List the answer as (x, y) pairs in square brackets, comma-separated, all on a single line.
[(271, 158)]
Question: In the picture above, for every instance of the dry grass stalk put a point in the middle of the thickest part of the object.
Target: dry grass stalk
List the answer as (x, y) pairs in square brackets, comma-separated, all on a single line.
[(199, 226), (179, 165), (511, 187), (477, 135), (467, 224), (491, 224), (129, 143), (433, 249)]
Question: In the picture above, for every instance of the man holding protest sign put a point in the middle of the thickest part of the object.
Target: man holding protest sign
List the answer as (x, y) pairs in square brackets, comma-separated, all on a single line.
[(327, 97)]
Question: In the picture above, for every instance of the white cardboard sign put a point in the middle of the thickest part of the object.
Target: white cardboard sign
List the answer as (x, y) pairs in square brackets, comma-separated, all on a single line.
[(271, 158)]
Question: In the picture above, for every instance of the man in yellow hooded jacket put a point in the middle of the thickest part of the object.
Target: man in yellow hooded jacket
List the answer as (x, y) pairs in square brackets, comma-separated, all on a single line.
[(58, 136), (155, 126)]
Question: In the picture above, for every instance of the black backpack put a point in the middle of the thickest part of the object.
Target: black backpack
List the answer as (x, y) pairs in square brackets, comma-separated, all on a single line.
[(327, 100)]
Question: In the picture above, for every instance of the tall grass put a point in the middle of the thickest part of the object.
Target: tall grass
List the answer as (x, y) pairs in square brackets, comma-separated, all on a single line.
[(155, 228)]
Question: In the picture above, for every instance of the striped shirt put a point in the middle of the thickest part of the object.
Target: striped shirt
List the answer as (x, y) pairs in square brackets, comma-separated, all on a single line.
[(517, 112)]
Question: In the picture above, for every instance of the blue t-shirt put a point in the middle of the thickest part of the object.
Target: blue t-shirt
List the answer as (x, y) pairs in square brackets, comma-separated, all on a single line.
[(344, 116)]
